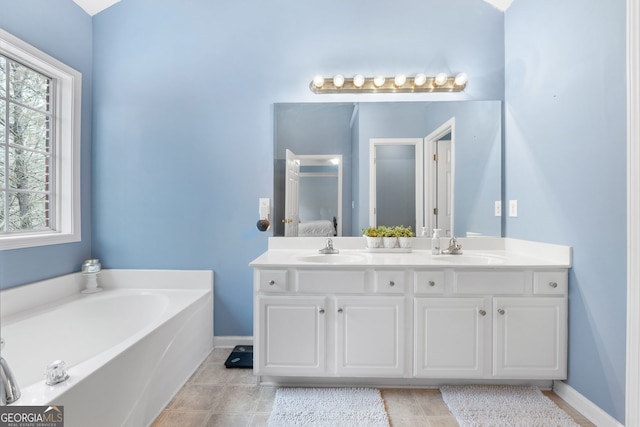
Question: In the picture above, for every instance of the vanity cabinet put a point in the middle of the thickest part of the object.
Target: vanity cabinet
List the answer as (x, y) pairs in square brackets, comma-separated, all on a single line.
[(412, 324), (370, 336), (478, 333), (450, 337), (348, 332), (530, 337), (291, 335)]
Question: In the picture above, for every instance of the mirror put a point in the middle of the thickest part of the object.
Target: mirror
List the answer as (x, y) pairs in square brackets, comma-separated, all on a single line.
[(348, 129)]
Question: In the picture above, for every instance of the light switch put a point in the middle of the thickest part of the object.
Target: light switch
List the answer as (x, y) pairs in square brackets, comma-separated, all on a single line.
[(265, 208), (513, 208), (498, 208)]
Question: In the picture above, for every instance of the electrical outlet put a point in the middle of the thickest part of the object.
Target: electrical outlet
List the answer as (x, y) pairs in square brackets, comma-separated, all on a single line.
[(513, 208), (498, 208)]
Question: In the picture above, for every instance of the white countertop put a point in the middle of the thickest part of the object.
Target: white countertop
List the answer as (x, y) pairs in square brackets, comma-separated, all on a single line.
[(492, 253)]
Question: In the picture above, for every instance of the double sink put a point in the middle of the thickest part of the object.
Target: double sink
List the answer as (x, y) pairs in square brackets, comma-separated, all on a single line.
[(366, 258)]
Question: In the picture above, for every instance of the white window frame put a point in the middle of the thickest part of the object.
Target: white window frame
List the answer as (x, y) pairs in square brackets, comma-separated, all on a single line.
[(66, 226)]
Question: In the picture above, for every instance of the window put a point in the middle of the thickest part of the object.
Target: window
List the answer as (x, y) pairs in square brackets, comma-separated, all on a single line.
[(39, 147)]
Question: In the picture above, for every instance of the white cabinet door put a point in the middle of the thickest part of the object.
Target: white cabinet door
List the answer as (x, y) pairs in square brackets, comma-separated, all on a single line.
[(370, 336), (530, 338), (291, 336), (451, 337)]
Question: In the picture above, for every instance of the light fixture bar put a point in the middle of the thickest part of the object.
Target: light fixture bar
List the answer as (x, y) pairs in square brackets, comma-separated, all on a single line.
[(389, 84)]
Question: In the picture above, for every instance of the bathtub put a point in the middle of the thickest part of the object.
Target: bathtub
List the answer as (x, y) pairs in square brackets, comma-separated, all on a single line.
[(128, 349)]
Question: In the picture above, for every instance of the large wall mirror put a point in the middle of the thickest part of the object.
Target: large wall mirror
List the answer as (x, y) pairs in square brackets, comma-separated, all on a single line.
[(436, 164)]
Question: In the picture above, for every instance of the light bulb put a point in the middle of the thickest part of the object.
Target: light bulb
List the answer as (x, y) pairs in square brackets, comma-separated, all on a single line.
[(378, 81), (338, 80), (400, 80), (318, 81), (420, 79), (461, 79), (358, 80), (440, 79)]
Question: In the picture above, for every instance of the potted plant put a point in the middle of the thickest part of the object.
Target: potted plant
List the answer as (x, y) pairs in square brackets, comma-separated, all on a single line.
[(373, 237), (389, 238), (404, 235)]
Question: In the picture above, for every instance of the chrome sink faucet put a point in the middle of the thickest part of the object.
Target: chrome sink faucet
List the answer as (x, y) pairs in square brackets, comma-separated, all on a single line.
[(9, 390), (328, 249), (454, 248)]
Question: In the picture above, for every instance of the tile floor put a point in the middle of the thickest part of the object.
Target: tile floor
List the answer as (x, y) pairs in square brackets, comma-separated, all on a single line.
[(216, 396)]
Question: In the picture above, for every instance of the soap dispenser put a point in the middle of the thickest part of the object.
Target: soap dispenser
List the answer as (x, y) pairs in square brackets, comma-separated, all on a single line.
[(435, 241)]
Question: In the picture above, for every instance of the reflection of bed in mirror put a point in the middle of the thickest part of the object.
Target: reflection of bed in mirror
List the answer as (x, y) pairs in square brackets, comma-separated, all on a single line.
[(317, 228)]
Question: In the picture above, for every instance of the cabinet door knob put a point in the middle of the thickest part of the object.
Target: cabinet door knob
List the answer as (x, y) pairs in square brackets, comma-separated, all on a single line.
[(340, 310), (482, 312), (501, 311), (272, 282), (392, 283), (432, 283), (553, 284), (321, 311)]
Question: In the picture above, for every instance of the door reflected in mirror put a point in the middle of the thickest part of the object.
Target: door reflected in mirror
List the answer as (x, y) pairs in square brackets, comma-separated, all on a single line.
[(313, 192), (395, 182), (464, 188)]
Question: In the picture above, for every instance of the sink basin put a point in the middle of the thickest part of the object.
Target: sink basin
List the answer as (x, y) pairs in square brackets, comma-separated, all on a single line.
[(331, 259), (473, 259)]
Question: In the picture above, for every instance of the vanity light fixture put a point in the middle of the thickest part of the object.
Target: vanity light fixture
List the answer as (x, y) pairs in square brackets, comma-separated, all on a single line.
[(460, 79), (318, 82), (420, 79), (378, 81), (440, 79), (400, 80), (441, 82)]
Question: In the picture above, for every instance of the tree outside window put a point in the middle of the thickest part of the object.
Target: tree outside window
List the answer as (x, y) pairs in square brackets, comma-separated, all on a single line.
[(26, 148)]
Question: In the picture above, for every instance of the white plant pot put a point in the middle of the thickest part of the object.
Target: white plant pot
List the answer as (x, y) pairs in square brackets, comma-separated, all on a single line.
[(404, 242), (373, 242), (390, 242)]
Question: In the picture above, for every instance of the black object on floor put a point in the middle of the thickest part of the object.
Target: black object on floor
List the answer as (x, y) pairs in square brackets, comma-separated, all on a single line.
[(241, 357)]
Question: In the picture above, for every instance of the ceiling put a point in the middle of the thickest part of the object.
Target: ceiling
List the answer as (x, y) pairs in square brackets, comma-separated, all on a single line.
[(93, 7)]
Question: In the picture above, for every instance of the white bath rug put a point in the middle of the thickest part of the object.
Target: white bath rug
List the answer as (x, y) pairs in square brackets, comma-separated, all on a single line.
[(503, 406), (346, 407)]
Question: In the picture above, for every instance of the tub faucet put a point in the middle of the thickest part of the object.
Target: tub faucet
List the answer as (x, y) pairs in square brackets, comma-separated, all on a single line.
[(454, 248), (328, 249), (9, 390)]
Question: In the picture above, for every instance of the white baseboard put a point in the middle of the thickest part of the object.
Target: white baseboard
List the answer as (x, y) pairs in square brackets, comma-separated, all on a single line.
[(231, 341), (584, 405)]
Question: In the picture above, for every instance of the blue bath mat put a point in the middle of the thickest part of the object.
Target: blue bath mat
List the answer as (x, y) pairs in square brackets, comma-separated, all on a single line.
[(241, 357)]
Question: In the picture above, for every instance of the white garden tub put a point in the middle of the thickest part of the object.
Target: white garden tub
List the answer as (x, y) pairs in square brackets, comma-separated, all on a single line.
[(129, 348)]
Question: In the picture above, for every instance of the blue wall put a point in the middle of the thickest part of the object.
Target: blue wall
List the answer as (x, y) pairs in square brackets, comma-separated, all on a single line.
[(62, 30), (183, 113), (566, 165)]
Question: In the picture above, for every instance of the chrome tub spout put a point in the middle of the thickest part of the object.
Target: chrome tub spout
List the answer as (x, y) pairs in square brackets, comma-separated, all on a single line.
[(9, 390)]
